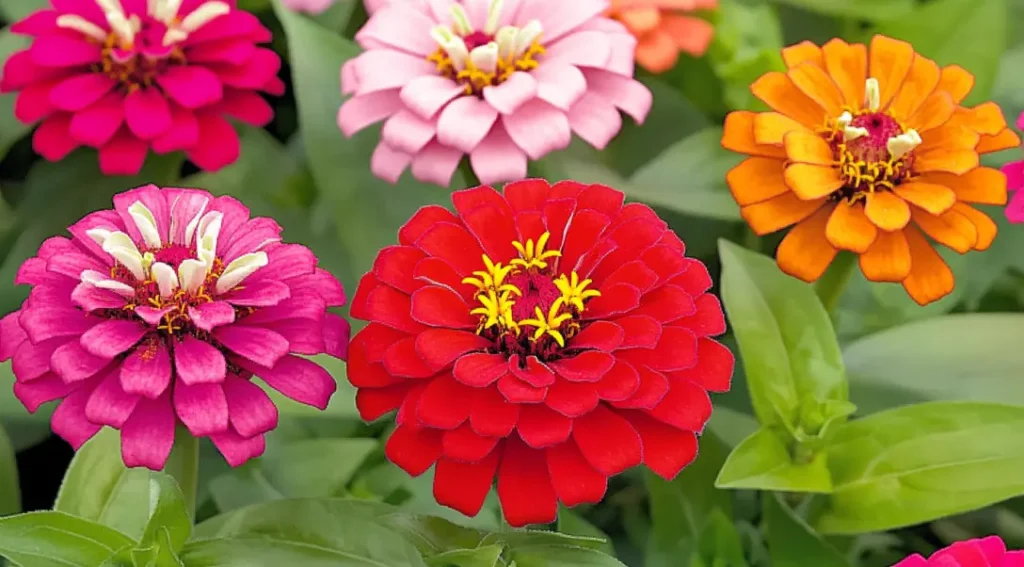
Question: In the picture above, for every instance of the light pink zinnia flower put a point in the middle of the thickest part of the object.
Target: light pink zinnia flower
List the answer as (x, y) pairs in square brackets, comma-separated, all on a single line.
[(160, 311), (127, 76), (308, 6), (501, 81)]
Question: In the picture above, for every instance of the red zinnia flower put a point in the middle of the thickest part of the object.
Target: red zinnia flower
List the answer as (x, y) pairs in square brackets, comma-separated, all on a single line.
[(550, 336)]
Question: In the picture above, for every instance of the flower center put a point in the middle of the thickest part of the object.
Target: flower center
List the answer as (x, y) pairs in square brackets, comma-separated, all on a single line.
[(872, 149), (488, 57), (524, 309)]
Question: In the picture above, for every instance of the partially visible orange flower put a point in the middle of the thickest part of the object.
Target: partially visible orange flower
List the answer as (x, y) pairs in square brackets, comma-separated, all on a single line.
[(868, 150), (662, 31)]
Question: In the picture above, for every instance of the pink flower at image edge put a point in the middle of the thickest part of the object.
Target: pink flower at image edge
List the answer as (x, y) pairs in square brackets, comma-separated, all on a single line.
[(982, 552), (160, 311), (308, 6), (1014, 172)]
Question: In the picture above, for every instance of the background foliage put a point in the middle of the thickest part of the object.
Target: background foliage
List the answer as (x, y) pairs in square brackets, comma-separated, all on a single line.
[(849, 439)]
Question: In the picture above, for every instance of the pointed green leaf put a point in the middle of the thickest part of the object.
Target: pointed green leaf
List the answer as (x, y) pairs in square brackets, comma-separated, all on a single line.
[(486, 556), (763, 462), (168, 513), (316, 467), (55, 539), (793, 543)]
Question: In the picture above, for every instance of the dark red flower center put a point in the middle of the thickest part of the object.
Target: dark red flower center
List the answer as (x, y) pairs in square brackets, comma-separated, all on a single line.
[(872, 150), (174, 254), (476, 39), (873, 147)]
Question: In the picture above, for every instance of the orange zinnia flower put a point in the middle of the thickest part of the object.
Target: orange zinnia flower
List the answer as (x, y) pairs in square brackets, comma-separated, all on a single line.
[(662, 31), (868, 150)]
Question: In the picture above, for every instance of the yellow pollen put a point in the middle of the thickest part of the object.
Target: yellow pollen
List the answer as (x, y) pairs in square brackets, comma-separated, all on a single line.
[(574, 291), (548, 325), (476, 79), (534, 257)]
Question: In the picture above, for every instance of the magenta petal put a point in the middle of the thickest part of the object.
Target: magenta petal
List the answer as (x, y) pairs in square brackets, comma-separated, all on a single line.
[(263, 293), (64, 51), (124, 154), (109, 404), (52, 139), (237, 449), (336, 336), (80, 91), (69, 420), (210, 315), (152, 315), (191, 86), (262, 346), (218, 143), (301, 380), (45, 389), (183, 133), (201, 407), (44, 322), (111, 338), (251, 410), (148, 434), (198, 362), (147, 113), (73, 363), (91, 298), (147, 370), (96, 125), (31, 360)]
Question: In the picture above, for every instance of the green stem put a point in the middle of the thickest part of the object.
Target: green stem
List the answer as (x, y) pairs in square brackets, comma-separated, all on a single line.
[(833, 283), (183, 465), (469, 177)]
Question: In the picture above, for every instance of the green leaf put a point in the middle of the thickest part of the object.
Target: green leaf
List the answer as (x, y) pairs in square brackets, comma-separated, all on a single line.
[(918, 463), (975, 357), (555, 555), (14, 10), (720, 543), (11, 129), (747, 44), (792, 542), (55, 539), (969, 33), (316, 467), (242, 487), (785, 337), (763, 462), (486, 556), (274, 549), (872, 10), (168, 513), (10, 493), (573, 524)]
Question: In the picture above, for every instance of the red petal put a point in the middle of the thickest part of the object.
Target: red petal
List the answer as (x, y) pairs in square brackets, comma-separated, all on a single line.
[(572, 399), (439, 347), (638, 211), (463, 444), (491, 415), (445, 403), (685, 406), (709, 319), (375, 339), (364, 374), (391, 307), (633, 273), (653, 388), (594, 256), (407, 412), (540, 427), (375, 402), (666, 304), (641, 331), (581, 234), (439, 307), (360, 301), (667, 450), (607, 441), (531, 225), (464, 486), (413, 450), (527, 195), (402, 360), (631, 238), (422, 221), (453, 244), (619, 383), (574, 480), (619, 298), (557, 214), (601, 198), (566, 190), (665, 261), (676, 350), (494, 229), (695, 280), (466, 200), (480, 369), (439, 272), (714, 367), (536, 373), (524, 487), (599, 335), (587, 366), (519, 392), (394, 266)]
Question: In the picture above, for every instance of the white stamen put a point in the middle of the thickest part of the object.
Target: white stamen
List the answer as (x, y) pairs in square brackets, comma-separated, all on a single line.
[(485, 57), (153, 7), (122, 27), (506, 38), (166, 279), (96, 279), (239, 269), (844, 119), (173, 36), (460, 21), (190, 228), (872, 94), (854, 132), (164, 10), (80, 24), (99, 235), (146, 223), (527, 35), (206, 237), (452, 44), (191, 274), (903, 144), (147, 260), (493, 15), (120, 246), (109, 6), (203, 15)]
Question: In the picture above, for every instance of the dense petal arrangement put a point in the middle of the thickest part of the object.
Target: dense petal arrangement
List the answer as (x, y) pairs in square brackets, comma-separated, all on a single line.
[(869, 150), (161, 311), (664, 30), (501, 81), (549, 336), (982, 552), (129, 76)]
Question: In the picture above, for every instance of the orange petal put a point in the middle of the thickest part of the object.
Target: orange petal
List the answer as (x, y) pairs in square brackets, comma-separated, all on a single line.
[(777, 91), (848, 65), (805, 252), (805, 147), (1002, 141), (948, 137), (849, 228), (802, 52), (771, 127), (986, 227), (934, 198), (930, 278), (778, 212), (889, 61), (812, 181), (920, 82), (887, 211), (691, 35), (738, 136), (640, 20), (983, 185), (656, 51), (756, 179), (952, 161), (956, 81), (985, 118), (814, 82), (950, 228), (935, 111), (888, 259)]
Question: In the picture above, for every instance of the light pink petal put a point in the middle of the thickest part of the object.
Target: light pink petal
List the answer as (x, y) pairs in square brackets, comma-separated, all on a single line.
[(538, 128), (69, 420), (498, 159), (109, 404), (191, 86), (374, 5), (52, 139), (218, 143), (147, 113), (47, 388), (300, 379), (80, 91), (73, 364), (124, 154), (401, 27), (264, 293), (154, 199), (584, 49), (407, 132), (237, 449), (513, 93), (627, 94), (361, 111), (148, 434), (465, 122), (262, 346), (428, 94), (201, 407), (562, 17), (388, 163), (349, 79), (436, 163), (250, 409), (559, 84), (336, 336), (380, 70), (595, 120), (198, 362), (147, 370), (622, 42), (111, 338)]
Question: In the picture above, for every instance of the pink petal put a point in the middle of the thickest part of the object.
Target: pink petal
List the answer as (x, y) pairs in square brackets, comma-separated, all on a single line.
[(191, 86), (96, 125), (584, 49), (559, 84), (538, 128), (218, 143), (436, 164), (388, 163), (111, 338), (33, 103), (69, 420), (201, 407), (264, 293), (465, 122), (336, 335), (237, 23), (628, 95), (38, 392), (152, 315), (64, 51), (37, 23), (91, 298), (251, 410), (262, 346), (209, 315), (123, 155), (498, 159), (401, 27), (44, 322), (183, 133), (147, 113), (235, 52), (30, 361), (563, 17), (198, 362), (237, 449), (360, 111), (301, 380), (148, 434), (407, 132), (1015, 210), (513, 93), (254, 73), (247, 107), (147, 370), (428, 94), (80, 91), (380, 70), (109, 404), (52, 139), (595, 120)]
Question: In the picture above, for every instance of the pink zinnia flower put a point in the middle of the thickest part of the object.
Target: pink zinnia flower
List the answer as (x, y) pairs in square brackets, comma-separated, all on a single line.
[(308, 6), (127, 76), (501, 81), (982, 552), (162, 310), (1014, 172)]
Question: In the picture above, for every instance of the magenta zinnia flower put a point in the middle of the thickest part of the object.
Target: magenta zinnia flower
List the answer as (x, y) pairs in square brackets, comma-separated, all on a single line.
[(502, 81), (127, 76), (982, 552), (162, 310)]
